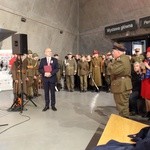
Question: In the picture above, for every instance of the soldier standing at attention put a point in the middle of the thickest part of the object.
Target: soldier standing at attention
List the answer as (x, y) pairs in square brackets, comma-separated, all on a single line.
[(95, 69), (69, 70), (59, 73), (108, 61), (83, 71), (137, 57), (19, 77), (36, 77), (120, 71), (29, 73)]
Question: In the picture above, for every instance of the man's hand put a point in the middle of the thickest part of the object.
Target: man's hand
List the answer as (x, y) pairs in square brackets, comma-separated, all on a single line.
[(35, 77), (16, 81), (47, 74)]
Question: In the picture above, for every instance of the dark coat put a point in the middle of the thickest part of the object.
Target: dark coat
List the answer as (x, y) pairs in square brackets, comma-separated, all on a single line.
[(54, 66), (114, 145), (142, 140)]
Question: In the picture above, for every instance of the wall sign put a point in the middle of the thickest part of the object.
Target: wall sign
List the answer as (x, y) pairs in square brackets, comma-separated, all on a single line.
[(122, 27), (144, 22)]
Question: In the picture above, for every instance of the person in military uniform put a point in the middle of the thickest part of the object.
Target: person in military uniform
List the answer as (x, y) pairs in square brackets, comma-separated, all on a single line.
[(88, 59), (106, 72), (137, 57), (121, 86), (59, 73), (18, 71), (83, 72), (36, 78), (95, 70), (69, 70), (29, 73)]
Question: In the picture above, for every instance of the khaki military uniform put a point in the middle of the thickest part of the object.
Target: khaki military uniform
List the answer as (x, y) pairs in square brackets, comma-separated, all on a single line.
[(121, 84), (135, 58), (59, 74), (95, 70), (19, 74), (83, 71), (106, 72), (69, 70), (30, 75), (36, 78)]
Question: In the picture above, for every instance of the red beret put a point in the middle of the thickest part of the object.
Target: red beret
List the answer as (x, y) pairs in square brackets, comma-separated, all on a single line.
[(95, 52), (148, 49)]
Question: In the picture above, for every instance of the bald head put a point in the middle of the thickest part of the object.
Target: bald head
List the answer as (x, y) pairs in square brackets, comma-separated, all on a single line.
[(48, 52)]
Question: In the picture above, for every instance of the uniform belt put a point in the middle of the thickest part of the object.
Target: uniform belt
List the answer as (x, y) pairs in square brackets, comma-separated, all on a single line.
[(23, 71), (30, 67), (123, 77)]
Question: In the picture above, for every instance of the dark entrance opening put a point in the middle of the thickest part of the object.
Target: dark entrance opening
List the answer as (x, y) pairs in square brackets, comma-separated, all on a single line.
[(141, 41)]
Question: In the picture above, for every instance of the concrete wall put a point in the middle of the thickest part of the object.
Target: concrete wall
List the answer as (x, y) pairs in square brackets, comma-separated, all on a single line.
[(44, 20), (82, 22), (95, 15)]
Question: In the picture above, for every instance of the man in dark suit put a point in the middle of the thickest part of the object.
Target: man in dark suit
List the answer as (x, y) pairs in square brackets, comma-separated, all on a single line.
[(48, 68)]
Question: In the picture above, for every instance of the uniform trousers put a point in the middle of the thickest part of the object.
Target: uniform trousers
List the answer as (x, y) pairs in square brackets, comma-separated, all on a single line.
[(35, 87), (83, 82), (70, 82), (122, 103), (30, 86)]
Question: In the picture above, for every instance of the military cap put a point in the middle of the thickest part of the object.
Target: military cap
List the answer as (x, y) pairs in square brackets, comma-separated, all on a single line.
[(95, 52), (137, 49), (69, 53), (29, 52), (109, 54), (55, 55), (119, 46), (35, 55)]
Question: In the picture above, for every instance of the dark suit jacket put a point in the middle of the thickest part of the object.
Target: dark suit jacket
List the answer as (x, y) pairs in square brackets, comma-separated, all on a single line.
[(54, 66)]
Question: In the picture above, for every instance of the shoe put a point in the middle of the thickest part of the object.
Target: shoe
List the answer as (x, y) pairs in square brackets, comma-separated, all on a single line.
[(54, 108), (132, 113), (30, 97), (45, 108), (146, 115)]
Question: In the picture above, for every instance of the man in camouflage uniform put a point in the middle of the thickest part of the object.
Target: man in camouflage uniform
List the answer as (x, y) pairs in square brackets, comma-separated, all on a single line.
[(120, 71), (83, 71), (69, 70)]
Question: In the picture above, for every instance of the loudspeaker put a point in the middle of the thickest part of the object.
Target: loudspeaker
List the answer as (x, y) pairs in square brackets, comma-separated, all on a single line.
[(19, 44)]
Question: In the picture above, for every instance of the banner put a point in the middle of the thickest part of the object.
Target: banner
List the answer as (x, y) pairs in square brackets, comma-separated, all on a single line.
[(145, 22), (122, 27)]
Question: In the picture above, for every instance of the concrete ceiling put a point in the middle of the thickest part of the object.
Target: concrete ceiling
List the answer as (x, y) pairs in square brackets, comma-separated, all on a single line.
[(5, 34)]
